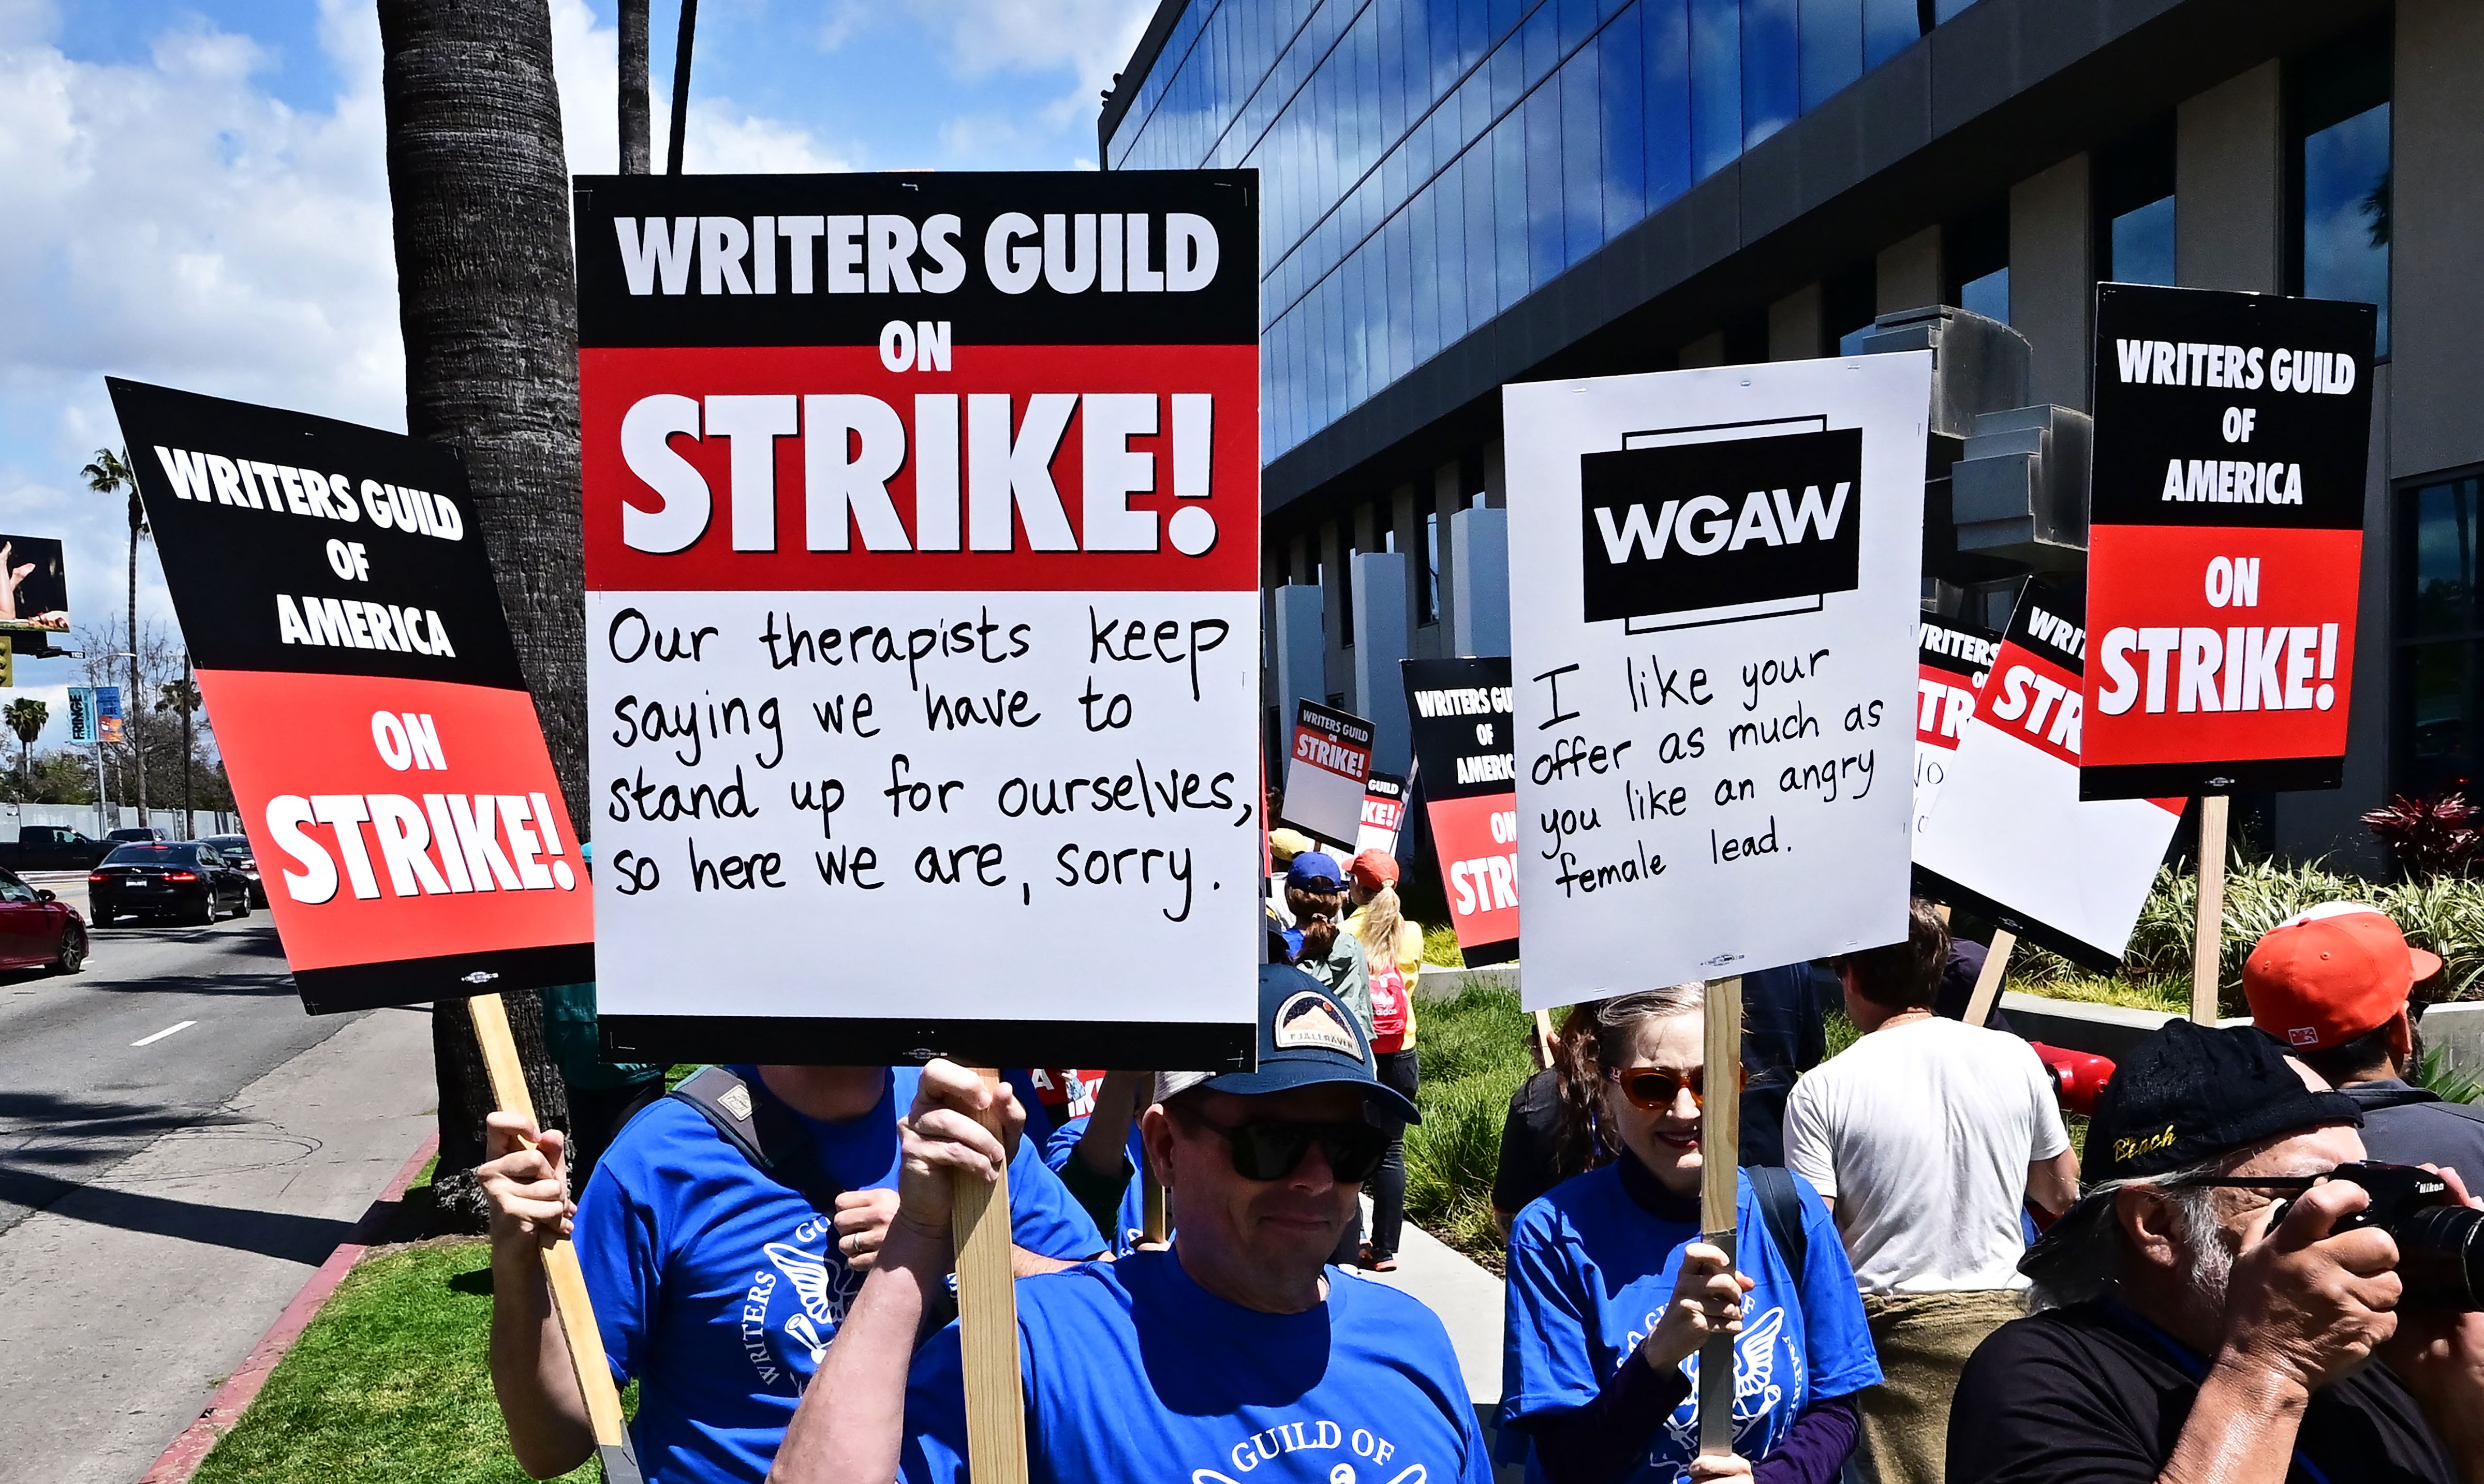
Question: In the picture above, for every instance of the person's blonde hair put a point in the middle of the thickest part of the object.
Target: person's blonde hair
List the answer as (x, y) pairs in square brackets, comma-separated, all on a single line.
[(1381, 918)]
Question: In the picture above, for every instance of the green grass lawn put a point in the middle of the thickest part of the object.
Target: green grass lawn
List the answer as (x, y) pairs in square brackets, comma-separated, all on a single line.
[(391, 1381), (1474, 1054)]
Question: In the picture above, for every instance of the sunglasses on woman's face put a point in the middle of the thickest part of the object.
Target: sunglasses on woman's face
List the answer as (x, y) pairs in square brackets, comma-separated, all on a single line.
[(1273, 1151), (1653, 1091)]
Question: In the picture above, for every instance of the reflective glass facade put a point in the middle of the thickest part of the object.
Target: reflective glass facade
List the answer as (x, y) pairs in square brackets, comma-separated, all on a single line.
[(1428, 163)]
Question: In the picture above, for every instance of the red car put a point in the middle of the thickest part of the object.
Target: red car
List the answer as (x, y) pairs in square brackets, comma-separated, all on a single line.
[(39, 930)]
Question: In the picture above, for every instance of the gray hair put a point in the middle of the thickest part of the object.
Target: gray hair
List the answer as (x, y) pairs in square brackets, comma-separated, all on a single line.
[(2089, 1263)]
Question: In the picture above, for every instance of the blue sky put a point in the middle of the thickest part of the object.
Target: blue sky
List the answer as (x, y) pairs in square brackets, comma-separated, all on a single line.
[(199, 194)]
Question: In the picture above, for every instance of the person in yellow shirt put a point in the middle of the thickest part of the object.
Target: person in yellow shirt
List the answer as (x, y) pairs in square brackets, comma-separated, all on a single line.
[(1395, 949)]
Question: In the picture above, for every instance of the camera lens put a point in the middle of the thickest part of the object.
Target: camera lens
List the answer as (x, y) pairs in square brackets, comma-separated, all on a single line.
[(2441, 1257)]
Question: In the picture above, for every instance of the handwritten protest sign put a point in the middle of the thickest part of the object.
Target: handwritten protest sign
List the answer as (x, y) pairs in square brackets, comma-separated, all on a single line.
[(2008, 838), (1461, 718), (922, 551), (382, 744), (1716, 668), (1328, 770), (2225, 539), (1951, 660)]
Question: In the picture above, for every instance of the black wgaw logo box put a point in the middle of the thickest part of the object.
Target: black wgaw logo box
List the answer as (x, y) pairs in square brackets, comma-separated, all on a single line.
[(1711, 525)]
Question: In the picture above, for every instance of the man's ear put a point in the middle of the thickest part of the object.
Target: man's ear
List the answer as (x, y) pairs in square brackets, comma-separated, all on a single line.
[(1155, 1137), (2402, 1040), (2146, 1221)]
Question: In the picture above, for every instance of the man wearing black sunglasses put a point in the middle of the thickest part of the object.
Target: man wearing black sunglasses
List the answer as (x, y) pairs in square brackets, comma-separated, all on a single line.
[(1237, 1353)]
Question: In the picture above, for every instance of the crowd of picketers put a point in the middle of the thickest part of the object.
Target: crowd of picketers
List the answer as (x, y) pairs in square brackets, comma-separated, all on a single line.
[(2264, 1266)]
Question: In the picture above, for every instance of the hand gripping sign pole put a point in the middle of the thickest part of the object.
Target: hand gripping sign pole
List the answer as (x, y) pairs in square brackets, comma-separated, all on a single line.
[(567, 1281), (1721, 1137), (979, 1219), (2209, 930)]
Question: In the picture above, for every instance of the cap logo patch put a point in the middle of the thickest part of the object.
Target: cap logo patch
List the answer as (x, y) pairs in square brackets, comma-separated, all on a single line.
[(2303, 1036), (2124, 1150), (1310, 1019)]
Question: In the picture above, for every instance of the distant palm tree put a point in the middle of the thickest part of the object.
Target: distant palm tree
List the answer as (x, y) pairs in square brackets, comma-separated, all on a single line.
[(110, 471), (26, 717)]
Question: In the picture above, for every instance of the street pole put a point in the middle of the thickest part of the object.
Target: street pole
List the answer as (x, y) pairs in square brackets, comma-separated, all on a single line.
[(189, 807)]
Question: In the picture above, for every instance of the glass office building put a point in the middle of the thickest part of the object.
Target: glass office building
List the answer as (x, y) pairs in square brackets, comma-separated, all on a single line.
[(1458, 193)]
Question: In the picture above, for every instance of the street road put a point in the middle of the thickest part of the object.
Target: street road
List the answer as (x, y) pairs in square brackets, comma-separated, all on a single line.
[(180, 1146)]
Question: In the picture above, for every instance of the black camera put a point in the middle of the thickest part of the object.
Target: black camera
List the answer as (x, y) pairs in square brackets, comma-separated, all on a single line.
[(2440, 1243)]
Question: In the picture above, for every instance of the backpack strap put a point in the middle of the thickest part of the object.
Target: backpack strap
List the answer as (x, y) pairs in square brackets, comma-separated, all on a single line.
[(763, 1130), (1781, 1207)]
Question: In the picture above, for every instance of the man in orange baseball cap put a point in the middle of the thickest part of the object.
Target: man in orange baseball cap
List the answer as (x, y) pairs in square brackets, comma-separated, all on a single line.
[(2332, 984)]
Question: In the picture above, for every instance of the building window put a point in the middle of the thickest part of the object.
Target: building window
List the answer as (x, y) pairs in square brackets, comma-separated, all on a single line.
[(1848, 300), (2134, 207), (1975, 261), (2339, 167), (2439, 689), (1429, 591)]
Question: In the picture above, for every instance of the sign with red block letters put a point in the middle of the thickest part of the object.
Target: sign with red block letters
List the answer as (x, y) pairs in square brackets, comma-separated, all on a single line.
[(1950, 659), (1461, 713), (393, 779), (2225, 539), (922, 552)]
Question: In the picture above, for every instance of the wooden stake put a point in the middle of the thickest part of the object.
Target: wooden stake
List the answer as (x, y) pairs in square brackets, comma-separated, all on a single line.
[(1155, 1225), (2208, 932), (1987, 984), (1544, 1037), (1721, 1143), (988, 1328), (566, 1280)]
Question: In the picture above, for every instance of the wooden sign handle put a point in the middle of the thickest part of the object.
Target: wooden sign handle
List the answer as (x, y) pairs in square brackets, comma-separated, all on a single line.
[(562, 1275), (2208, 932), (1721, 1143), (1544, 1037), (987, 1325), (1987, 984), (1155, 1222)]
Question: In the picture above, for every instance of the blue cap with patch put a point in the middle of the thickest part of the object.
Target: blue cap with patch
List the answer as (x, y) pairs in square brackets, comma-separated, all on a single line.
[(1307, 1037)]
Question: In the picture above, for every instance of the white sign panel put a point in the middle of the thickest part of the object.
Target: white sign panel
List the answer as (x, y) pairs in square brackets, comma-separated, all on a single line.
[(1715, 575)]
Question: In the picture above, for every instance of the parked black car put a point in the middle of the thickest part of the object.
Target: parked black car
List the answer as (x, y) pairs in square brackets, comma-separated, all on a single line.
[(189, 882), (237, 853), (52, 848)]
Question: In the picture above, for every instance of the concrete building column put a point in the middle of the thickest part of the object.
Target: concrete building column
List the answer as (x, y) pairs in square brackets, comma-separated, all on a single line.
[(2230, 185), (2052, 277), (1482, 582), (1797, 325), (1706, 350), (1301, 654), (1446, 499), (1909, 273), (1382, 631), (2436, 221)]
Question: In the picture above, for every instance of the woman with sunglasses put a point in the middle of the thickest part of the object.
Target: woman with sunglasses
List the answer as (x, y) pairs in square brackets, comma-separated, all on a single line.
[(1611, 1294)]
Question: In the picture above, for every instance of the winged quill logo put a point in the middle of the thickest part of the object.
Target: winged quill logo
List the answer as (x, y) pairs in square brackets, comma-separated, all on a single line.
[(1757, 1392), (825, 1293)]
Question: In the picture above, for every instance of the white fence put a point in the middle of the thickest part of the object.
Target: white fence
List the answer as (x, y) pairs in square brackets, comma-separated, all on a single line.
[(88, 819)]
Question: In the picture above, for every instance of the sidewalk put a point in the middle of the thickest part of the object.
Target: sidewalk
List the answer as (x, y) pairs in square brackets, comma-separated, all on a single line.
[(123, 1307), (1468, 1298)]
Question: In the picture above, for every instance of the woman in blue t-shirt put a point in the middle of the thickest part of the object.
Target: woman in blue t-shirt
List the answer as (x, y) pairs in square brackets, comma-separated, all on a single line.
[(1610, 1294)]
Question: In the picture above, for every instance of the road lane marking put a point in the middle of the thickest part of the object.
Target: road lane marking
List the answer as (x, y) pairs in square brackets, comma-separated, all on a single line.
[(167, 1031)]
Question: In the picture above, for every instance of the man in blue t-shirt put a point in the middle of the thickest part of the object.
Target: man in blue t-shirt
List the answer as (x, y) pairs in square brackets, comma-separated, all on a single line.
[(717, 1284), (1236, 1354)]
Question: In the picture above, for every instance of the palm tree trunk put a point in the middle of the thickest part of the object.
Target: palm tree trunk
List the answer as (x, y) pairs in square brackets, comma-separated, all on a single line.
[(485, 301), (637, 149)]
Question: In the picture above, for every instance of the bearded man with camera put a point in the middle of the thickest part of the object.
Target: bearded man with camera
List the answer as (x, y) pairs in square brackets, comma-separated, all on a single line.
[(2238, 1298)]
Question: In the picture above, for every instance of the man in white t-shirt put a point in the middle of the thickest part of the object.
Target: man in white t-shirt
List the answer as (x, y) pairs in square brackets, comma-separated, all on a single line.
[(1925, 1138)]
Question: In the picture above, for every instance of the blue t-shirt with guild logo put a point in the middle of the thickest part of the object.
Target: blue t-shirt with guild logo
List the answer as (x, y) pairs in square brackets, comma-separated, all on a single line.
[(1135, 1373), (1130, 1222), (718, 1287), (1591, 1272)]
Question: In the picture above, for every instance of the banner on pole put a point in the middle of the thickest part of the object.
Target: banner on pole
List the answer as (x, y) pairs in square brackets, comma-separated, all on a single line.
[(1459, 714), (922, 561), (1950, 659), (1328, 771), (109, 724), (2225, 539), (82, 719), (1715, 667), (383, 747), (2008, 839)]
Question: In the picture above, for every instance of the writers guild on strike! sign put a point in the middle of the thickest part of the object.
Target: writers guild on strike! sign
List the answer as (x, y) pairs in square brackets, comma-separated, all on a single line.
[(2226, 539), (921, 571), (1460, 714)]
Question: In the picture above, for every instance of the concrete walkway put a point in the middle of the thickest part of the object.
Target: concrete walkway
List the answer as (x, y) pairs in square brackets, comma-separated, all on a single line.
[(1468, 1298)]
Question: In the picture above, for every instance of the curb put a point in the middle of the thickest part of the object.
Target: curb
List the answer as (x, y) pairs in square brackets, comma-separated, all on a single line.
[(181, 1459)]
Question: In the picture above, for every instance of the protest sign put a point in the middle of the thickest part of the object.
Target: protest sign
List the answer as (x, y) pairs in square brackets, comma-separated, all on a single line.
[(922, 555), (1950, 659), (2225, 539), (2008, 838), (1459, 714), (1716, 668), (380, 741), (34, 586), (1328, 770), (1383, 814)]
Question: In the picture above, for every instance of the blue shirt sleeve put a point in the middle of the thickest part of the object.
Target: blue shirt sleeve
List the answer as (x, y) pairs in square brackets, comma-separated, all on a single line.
[(1065, 1139), (1840, 1353), (1545, 1364), (618, 1233), (1044, 1217)]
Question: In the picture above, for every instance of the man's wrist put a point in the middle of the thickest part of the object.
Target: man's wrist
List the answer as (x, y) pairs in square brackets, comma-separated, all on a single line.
[(914, 1244), (2263, 1388)]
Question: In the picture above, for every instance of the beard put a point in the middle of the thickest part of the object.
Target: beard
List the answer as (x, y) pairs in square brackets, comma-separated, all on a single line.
[(2205, 1241)]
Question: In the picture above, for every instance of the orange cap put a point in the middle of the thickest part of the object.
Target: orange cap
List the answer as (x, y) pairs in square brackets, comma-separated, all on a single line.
[(2324, 977), (1374, 869)]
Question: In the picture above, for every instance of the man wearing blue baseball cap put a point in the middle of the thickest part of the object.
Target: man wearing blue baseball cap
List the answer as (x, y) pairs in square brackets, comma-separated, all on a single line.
[(1237, 1352)]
